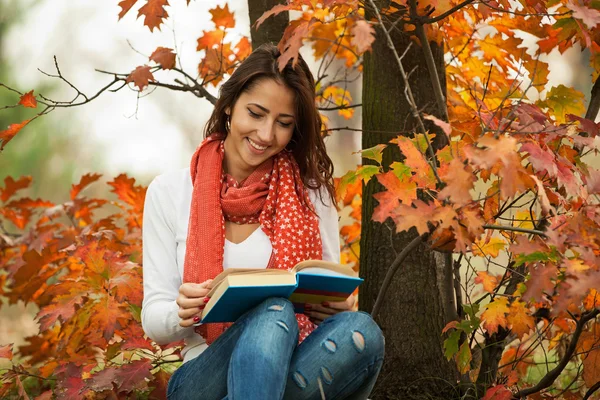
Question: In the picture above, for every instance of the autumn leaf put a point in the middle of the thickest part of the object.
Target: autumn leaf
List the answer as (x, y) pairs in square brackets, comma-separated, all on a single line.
[(364, 35), (222, 17), (85, 181), (154, 12), (498, 392), (8, 134), (374, 153), (211, 39), (28, 100), (126, 6), (417, 216), (520, 320), (11, 186), (540, 281), (459, 179), (445, 126), (490, 248), (589, 16), (278, 9), (562, 100), (488, 281), (6, 351), (290, 44), (416, 161), (494, 315), (140, 77), (463, 357), (397, 192), (164, 56), (134, 376), (591, 368)]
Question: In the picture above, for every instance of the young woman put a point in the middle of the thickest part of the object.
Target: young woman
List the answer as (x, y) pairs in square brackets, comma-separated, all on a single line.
[(258, 194)]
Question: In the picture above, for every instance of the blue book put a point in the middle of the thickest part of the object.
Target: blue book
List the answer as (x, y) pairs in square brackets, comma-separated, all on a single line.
[(237, 290)]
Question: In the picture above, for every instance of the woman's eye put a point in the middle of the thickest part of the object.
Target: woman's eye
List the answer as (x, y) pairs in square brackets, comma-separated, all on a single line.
[(285, 124), (253, 114)]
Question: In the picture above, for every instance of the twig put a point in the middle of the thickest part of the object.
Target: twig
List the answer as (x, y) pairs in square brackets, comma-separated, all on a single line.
[(515, 229), (392, 270)]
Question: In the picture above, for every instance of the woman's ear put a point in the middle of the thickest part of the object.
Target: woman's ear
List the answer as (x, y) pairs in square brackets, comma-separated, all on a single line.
[(228, 111)]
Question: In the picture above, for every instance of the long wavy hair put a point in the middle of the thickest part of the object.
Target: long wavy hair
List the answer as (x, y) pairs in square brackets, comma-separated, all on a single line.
[(307, 146)]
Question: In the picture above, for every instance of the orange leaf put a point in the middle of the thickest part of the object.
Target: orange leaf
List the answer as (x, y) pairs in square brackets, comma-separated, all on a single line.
[(520, 320), (12, 186), (155, 13), (126, 6), (164, 56), (8, 134), (273, 11), (211, 39), (83, 182), (6, 351), (397, 191), (290, 44), (495, 315), (591, 368), (28, 100), (140, 77), (407, 217), (416, 161), (488, 281), (459, 180), (222, 17), (364, 35)]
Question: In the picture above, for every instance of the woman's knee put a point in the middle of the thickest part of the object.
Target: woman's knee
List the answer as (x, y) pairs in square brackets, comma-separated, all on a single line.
[(366, 334), (281, 310)]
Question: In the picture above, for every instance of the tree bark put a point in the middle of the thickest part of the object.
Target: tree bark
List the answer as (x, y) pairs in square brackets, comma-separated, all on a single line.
[(270, 31), (420, 300)]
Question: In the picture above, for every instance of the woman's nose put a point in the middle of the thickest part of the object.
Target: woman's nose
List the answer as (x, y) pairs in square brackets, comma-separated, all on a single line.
[(266, 133)]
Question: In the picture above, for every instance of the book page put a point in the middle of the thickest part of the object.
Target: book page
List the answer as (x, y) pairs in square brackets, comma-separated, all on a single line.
[(325, 266), (245, 271)]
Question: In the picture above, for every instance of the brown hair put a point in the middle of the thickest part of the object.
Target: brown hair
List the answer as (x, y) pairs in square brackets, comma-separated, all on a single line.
[(307, 146)]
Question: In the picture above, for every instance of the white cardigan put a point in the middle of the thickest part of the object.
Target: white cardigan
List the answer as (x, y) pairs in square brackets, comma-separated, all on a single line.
[(165, 227)]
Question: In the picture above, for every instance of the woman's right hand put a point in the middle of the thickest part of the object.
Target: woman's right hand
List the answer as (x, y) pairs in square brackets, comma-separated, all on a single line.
[(191, 301)]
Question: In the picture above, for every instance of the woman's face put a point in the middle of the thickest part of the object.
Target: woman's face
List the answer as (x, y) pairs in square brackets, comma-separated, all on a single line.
[(262, 124)]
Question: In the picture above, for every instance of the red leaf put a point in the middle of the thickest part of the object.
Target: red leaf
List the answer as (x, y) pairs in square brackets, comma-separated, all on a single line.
[(442, 124), (12, 186), (541, 160), (164, 56), (62, 308), (589, 16), (397, 190), (155, 13), (540, 281), (140, 77), (133, 376), (499, 392), (364, 35), (125, 7), (83, 183), (290, 44), (102, 380), (28, 100), (8, 134), (278, 9), (6, 351)]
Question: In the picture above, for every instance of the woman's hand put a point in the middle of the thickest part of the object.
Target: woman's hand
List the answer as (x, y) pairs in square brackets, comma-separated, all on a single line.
[(317, 313), (191, 301)]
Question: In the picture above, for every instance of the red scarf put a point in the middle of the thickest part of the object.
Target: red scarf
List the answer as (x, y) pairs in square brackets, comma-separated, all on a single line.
[(273, 195)]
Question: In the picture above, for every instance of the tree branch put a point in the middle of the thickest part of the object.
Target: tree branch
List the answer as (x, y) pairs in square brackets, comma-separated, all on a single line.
[(514, 229), (551, 376), (392, 270)]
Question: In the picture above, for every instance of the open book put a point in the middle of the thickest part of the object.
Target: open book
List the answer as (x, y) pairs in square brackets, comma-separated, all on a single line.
[(236, 290)]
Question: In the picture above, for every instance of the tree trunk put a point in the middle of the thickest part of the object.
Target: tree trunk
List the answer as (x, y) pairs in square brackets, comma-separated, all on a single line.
[(420, 300), (272, 29)]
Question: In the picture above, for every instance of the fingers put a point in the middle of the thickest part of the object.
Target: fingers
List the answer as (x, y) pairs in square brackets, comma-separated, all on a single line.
[(187, 315), (185, 302), (195, 289), (187, 322)]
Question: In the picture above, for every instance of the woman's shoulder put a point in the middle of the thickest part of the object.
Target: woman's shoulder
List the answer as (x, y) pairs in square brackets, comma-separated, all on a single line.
[(320, 199), (171, 183)]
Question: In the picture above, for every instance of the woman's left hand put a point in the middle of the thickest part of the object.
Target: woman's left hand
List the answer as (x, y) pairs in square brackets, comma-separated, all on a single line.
[(317, 313)]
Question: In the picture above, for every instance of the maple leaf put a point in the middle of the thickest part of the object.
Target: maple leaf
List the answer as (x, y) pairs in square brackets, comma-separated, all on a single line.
[(459, 179), (418, 216), (134, 375), (125, 7), (540, 281), (490, 248), (495, 315), (541, 160), (12, 186), (62, 308), (488, 281), (10, 132), (85, 180), (165, 57), (498, 392), (374, 153), (222, 17), (155, 13), (279, 8), (364, 35), (445, 126), (397, 190), (290, 44), (140, 77), (211, 39), (6, 351), (589, 16), (520, 320), (416, 161), (28, 100), (562, 100), (591, 368)]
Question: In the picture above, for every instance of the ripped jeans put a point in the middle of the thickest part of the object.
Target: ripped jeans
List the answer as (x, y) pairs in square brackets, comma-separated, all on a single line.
[(258, 358)]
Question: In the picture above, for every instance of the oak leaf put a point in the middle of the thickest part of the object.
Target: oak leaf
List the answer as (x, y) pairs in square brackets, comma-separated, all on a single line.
[(140, 77), (165, 57), (459, 179), (28, 100), (211, 39), (495, 315), (488, 281), (134, 375), (10, 132), (490, 248), (11, 186), (6, 351), (154, 12), (84, 181), (417, 216), (416, 161), (222, 17), (364, 35), (126, 6), (498, 392), (591, 368), (589, 16), (520, 320)]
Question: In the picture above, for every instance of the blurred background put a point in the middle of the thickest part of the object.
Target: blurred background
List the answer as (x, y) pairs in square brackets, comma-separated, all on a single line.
[(117, 132)]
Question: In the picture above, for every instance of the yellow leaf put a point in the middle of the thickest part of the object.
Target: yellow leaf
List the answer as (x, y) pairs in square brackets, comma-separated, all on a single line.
[(495, 315), (491, 248), (519, 319)]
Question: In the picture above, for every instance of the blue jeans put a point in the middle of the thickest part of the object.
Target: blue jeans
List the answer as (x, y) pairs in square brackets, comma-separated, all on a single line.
[(258, 358)]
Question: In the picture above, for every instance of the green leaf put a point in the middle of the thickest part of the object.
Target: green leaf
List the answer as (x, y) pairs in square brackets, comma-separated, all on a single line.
[(537, 256), (471, 310), (374, 153), (562, 100), (451, 344), (401, 171), (463, 358), (136, 312), (366, 172)]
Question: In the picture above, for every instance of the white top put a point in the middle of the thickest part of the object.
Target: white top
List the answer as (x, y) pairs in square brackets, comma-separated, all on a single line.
[(165, 227)]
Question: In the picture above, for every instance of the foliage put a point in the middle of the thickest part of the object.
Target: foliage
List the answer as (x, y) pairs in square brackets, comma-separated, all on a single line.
[(513, 188)]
